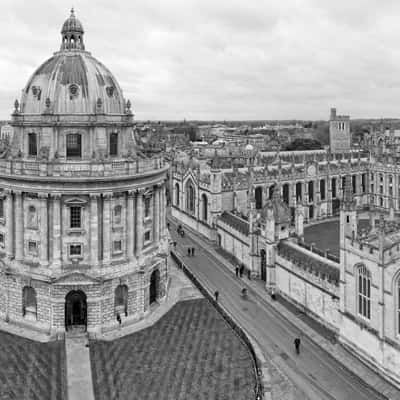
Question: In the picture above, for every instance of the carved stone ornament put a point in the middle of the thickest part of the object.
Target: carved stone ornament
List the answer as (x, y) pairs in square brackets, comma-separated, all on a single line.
[(110, 91), (44, 153)]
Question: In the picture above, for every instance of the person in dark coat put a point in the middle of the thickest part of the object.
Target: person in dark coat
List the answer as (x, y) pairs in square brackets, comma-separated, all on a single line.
[(119, 319), (237, 271), (297, 345), (189, 251), (241, 270), (216, 294)]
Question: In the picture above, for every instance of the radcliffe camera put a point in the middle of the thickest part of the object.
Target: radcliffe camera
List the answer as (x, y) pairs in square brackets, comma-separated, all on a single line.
[(200, 201)]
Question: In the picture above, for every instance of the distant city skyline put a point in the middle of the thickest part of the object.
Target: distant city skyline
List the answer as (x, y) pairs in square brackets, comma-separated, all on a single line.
[(264, 60)]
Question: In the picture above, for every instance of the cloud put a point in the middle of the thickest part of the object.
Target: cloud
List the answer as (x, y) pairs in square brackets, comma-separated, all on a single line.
[(265, 59)]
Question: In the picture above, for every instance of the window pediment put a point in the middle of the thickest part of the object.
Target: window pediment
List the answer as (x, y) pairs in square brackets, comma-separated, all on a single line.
[(75, 201)]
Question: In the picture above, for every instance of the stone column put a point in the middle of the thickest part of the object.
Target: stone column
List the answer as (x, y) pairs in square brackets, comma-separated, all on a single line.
[(163, 210), (107, 227), (130, 226), (329, 196), (10, 225), (156, 215), (44, 231), (56, 228), (139, 224), (19, 227), (94, 229)]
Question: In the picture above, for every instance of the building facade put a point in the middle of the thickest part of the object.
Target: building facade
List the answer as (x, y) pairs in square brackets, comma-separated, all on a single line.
[(83, 238)]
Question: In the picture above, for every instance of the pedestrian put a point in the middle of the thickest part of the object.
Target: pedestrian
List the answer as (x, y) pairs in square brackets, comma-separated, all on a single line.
[(189, 251), (192, 251), (182, 233), (248, 274), (297, 345), (119, 319), (174, 245), (241, 270), (216, 294), (237, 271), (168, 225)]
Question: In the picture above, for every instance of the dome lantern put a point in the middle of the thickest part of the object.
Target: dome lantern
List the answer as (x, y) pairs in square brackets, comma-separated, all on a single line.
[(72, 34)]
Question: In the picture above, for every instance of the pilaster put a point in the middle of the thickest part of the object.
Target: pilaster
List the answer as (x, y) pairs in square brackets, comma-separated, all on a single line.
[(130, 226), (19, 228), (10, 225), (56, 197), (107, 227), (94, 229), (44, 231)]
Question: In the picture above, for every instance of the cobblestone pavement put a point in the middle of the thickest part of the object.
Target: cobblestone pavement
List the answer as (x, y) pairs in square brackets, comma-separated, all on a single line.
[(190, 353), (30, 370), (314, 371)]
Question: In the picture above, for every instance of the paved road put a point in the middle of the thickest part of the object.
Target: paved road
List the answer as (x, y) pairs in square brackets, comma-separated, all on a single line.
[(314, 371)]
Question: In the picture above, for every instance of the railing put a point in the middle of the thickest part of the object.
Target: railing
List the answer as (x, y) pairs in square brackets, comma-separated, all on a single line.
[(258, 390), (80, 168), (321, 253)]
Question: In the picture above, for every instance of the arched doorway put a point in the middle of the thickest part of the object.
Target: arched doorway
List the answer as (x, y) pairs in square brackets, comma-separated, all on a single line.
[(154, 285), (75, 309)]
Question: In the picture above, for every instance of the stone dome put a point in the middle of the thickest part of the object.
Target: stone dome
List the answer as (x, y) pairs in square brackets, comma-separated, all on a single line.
[(72, 81)]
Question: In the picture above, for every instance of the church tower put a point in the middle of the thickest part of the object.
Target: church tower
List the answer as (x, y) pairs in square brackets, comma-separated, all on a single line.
[(339, 132)]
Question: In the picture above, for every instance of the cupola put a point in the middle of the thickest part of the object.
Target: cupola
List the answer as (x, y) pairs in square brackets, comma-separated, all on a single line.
[(72, 34)]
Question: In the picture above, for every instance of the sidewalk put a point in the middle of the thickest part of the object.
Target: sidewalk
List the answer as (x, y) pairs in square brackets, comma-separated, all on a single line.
[(79, 372), (350, 362)]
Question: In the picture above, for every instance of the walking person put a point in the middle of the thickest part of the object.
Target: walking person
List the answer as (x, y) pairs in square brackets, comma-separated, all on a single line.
[(174, 245), (297, 345), (189, 251), (241, 270), (192, 251), (119, 319), (237, 271), (216, 294)]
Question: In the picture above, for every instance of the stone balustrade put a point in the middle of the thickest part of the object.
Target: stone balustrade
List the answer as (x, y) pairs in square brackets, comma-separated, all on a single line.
[(80, 169)]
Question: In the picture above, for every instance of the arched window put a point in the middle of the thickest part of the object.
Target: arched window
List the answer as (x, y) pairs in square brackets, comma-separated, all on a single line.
[(154, 286), (114, 144), (29, 304), (299, 190), (121, 299), (285, 193), (32, 144), (190, 200), (204, 204), (117, 215), (177, 195), (32, 217), (364, 292)]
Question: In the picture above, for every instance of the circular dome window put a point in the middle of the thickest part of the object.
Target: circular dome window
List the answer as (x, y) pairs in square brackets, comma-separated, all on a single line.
[(73, 90)]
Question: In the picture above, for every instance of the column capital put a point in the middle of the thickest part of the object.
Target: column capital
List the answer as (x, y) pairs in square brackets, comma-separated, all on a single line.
[(8, 191), (141, 191), (107, 196), (17, 192), (131, 193), (43, 195), (56, 195), (93, 196)]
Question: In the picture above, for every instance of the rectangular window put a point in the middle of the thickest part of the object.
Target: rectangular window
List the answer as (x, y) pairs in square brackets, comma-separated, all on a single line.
[(75, 217), (32, 144), (117, 246), (322, 188), (75, 250), (2, 239), (74, 145), (147, 206), (1, 208), (32, 248), (353, 183), (147, 236), (363, 183), (114, 144)]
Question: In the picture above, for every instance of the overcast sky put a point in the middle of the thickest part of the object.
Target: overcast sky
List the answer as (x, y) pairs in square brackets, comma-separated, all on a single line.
[(221, 59)]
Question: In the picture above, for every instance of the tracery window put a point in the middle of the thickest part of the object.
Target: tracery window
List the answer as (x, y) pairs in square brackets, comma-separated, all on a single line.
[(190, 197), (364, 292), (177, 195)]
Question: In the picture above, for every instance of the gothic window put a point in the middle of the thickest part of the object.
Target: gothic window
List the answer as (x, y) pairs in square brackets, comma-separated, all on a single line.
[(353, 183), (364, 292), (298, 191), (32, 217), (117, 215), (147, 206), (285, 193), (204, 202), (311, 191), (322, 188), (114, 144), (75, 217), (363, 183), (177, 195), (1, 208), (258, 197), (29, 303), (32, 144), (334, 188), (190, 200), (398, 306), (74, 145)]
